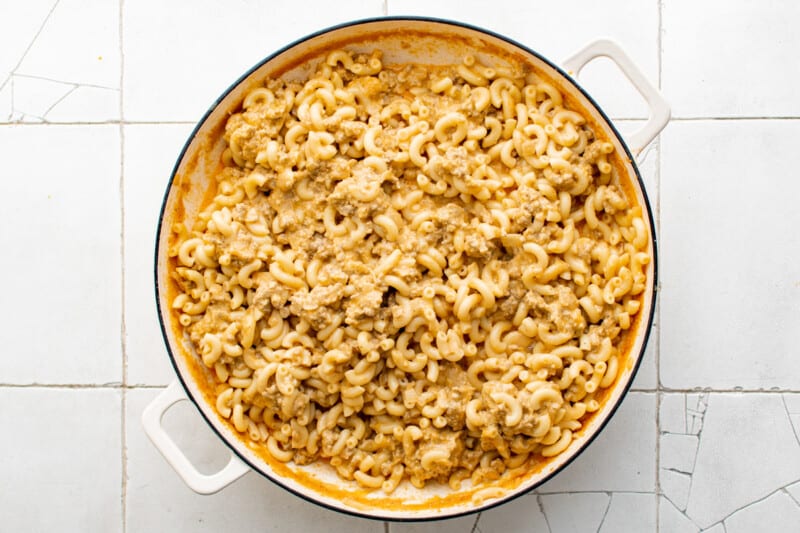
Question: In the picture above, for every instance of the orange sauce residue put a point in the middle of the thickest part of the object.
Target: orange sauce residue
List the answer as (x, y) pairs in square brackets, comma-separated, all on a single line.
[(199, 156)]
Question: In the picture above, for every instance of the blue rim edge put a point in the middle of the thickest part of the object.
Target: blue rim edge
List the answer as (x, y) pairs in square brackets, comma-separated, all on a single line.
[(649, 325)]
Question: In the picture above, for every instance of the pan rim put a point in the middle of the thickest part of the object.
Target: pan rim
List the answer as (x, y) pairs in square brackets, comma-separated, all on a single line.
[(380, 513)]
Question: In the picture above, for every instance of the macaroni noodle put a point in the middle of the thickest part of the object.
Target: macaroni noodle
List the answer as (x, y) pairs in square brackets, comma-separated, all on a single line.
[(413, 273)]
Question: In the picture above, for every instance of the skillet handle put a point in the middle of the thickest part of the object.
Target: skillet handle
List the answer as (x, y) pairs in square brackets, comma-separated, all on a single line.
[(200, 483), (659, 108)]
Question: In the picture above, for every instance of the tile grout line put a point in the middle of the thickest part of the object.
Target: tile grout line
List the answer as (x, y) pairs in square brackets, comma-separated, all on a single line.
[(125, 386), (660, 61), (605, 513), (475, 524), (13, 72), (123, 332), (659, 41), (385, 8)]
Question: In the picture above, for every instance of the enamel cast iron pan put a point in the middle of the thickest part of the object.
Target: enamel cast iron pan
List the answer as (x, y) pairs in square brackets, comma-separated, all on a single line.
[(402, 40)]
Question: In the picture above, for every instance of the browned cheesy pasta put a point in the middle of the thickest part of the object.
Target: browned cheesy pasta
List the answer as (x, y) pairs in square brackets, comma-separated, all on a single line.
[(412, 272)]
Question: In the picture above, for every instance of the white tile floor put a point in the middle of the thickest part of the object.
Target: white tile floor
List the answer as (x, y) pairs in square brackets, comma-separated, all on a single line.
[(76, 336), (96, 99)]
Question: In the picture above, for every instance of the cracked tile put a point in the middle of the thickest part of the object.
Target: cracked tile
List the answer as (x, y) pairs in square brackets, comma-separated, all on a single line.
[(34, 97), (695, 411), (37, 100), (79, 44), (672, 413), (678, 452), (212, 59), (794, 491), (86, 104), (697, 402), (15, 38), (72, 229), (792, 404), (454, 525), (158, 500), (718, 528), (708, 341), (6, 104), (577, 513), (777, 513), (671, 520), (622, 458), (675, 486), (68, 56), (601, 78), (150, 154), (521, 515), (682, 414), (694, 423), (630, 512), (795, 419), (733, 434)]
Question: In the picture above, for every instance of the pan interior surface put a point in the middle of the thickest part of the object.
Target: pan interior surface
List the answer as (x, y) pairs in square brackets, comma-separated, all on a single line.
[(193, 187)]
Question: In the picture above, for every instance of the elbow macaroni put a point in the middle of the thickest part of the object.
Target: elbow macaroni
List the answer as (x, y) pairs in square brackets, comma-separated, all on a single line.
[(415, 273)]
